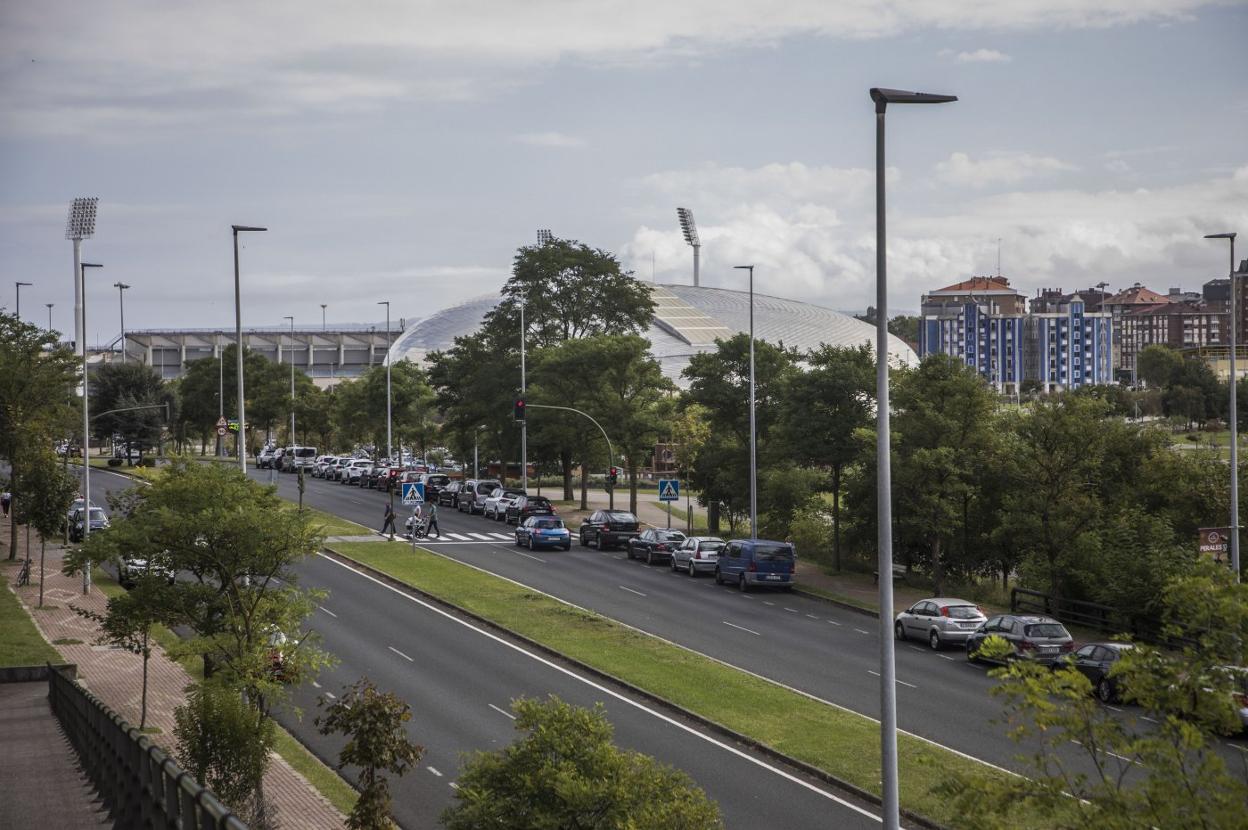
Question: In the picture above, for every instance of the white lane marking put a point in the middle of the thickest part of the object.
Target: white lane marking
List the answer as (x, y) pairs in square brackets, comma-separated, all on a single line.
[(764, 678), (944, 656), (1107, 752), (895, 680), (689, 730), (528, 555), (791, 610), (915, 648), (812, 616), (765, 602), (1147, 718), (503, 536), (434, 771), (401, 654), (742, 628), (461, 537), (327, 611), (631, 591), (1243, 749), (502, 712), (331, 696), (454, 785), (1112, 708), (621, 556), (860, 631), (315, 684), (480, 536)]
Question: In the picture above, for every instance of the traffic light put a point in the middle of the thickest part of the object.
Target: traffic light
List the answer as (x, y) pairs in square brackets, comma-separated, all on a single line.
[(519, 409), (613, 476)]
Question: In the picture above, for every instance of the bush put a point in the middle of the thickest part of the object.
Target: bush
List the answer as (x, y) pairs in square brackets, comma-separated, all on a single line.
[(811, 534), (147, 461), (114, 462)]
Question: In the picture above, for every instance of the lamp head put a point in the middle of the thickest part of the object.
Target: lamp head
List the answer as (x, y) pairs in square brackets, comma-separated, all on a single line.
[(24, 283), (238, 228), (743, 267), (81, 221), (687, 226), (120, 285), (1219, 236), (884, 97), (91, 265)]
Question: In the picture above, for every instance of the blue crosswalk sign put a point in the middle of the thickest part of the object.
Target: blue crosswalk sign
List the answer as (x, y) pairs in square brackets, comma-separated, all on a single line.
[(413, 493), (669, 489)]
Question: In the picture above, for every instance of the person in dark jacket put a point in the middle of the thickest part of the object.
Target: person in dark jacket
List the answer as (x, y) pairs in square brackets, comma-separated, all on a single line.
[(389, 523)]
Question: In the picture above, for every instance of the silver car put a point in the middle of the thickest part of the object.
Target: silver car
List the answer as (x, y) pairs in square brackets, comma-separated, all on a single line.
[(697, 554), (939, 621)]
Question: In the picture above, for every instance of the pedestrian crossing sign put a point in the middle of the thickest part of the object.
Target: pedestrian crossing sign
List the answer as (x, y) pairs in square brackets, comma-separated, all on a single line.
[(669, 489), (413, 493)]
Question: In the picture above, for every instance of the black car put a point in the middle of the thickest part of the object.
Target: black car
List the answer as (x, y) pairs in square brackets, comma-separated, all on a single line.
[(1095, 661), (99, 521), (1031, 637), (523, 507), (435, 483), (607, 528), (655, 545), (449, 495)]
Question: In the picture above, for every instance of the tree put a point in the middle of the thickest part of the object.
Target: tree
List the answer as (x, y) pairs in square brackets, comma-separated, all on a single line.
[(375, 726), (48, 496), (1156, 364), (125, 386), (1162, 774), (565, 772)]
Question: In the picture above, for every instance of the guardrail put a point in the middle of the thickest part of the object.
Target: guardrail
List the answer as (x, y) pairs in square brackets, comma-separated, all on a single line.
[(140, 785), (1103, 618)]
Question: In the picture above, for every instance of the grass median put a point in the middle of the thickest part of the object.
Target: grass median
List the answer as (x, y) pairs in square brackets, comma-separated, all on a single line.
[(21, 644), (837, 741)]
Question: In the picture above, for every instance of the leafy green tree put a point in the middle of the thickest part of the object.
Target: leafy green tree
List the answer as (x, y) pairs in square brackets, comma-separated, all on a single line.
[(820, 410), (1157, 364), (1161, 774), (48, 496), (374, 723), (224, 742), (566, 772), (125, 386)]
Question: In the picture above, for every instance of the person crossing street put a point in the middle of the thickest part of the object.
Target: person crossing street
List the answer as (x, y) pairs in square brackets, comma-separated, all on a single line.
[(389, 523), (432, 517)]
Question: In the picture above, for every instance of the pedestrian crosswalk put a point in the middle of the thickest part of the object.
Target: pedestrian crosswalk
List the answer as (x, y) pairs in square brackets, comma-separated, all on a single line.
[(468, 537)]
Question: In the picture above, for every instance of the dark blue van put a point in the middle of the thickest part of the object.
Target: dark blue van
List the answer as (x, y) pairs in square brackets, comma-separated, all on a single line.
[(751, 563)]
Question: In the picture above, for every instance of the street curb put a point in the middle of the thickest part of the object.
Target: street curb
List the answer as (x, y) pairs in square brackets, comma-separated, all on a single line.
[(810, 769), (797, 589)]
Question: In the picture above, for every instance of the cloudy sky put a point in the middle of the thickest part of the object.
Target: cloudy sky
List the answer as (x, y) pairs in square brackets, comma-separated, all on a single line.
[(402, 150)]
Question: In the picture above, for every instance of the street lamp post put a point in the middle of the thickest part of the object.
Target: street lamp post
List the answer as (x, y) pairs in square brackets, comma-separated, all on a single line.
[(753, 431), (121, 299), (389, 439), (238, 331), (524, 425), (890, 813), (86, 424), (323, 305), (18, 310), (292, 379), (1230, 237), (49, 305), (79, 226), (690, 230), (220, 395)]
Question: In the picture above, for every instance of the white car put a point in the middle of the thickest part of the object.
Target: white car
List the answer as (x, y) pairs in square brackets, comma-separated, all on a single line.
[(497, 502), (351, 473), (322, 464), (697, 554)]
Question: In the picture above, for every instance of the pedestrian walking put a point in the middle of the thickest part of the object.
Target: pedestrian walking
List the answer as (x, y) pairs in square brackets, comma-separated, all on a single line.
[(432, 530), (389, 523), (6, 498)]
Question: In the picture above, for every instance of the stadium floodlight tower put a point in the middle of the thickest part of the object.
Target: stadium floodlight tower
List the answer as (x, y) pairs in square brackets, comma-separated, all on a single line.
[(544, 236), (690, 230), (80, 226)]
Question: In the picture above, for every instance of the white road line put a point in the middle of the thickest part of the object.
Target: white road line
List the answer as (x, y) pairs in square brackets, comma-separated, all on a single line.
[(434, 771), (791, 610), (401, 654), (481, 536), (327, 611), (528, 555), (503, 536), (833, 622), (631, 591), (812, 616), (617, 695), (1147, 718), (1237, 746), (502, 712), (316, 685), (944, 656), (331, 696), (454, 786), (895, 680), (461, 537), (765, 602), (860, 631), (1107, 752), (1113, 708), (742, 628), (915, 648)]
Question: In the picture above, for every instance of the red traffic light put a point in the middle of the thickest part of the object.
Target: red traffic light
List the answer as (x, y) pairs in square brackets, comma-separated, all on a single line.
[(519, 409)]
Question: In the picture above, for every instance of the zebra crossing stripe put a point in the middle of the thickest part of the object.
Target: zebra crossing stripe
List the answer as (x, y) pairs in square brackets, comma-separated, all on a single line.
[(481, 536), (461, 537), (502, 536)]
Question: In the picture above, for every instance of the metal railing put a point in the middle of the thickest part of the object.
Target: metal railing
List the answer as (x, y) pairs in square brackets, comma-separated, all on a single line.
[(140, 785), (1104, 619)]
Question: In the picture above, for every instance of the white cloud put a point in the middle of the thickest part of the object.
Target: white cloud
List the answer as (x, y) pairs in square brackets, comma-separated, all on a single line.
[(997, 168), (151, 58), (983, 56), (550, 139)]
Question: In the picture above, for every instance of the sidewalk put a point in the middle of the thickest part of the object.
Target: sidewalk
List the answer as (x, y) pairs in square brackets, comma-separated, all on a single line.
[(114, 675)]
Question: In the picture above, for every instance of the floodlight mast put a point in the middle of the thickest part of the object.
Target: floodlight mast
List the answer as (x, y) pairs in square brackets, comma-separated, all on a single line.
[(79, 226), (690, 230), (544, 236)]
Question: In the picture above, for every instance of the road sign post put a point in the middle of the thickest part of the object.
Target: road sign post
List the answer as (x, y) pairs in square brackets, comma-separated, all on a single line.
[(413, 493), (669, 491)]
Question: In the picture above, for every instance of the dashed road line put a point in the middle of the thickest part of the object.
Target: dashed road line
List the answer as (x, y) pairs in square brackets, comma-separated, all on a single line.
[(895, 680), (502, 712), (812, 616), (944, 656), (434, 771), (791, 610), (528, 555), (834, 622), (860, 631), (331, 696), (915, 648), (765, 602), (631, 591), (316, 685), (327, 611), (401, 654), (742, 628)]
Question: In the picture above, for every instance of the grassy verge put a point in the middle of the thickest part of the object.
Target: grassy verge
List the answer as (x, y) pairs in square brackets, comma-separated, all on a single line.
[(677, 512), (335, 525), (843, 599), (21, 644), (838, 741), (142, 473)]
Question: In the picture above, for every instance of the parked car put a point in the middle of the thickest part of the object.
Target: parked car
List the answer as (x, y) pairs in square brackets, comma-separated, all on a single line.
[(334, 472), (607, 528), (655, 545), (354, 469), (523, 507), (131, 569), (322, 464), (74, 507), (473, 494), (99, 521), (449, 495), (495, 505), (264, 459), (434, 484), (367, 472), (751, 563), (697, 554), (1094, 661), (377, 477), (275, 460), (1031, 637), (541, 531), (298, 458), (939, 621)]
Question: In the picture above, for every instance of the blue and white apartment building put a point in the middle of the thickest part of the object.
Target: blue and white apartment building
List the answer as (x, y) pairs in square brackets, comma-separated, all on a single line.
[(985, 323)]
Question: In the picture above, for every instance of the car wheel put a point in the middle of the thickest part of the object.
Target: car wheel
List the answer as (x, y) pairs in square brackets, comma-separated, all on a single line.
[(692, 570), (599, 543), (567, 546), (933, 640), (1104, 691), (742, 585), (673, 564), (649, 557), (899, 630), (531, 545), (972, 652)]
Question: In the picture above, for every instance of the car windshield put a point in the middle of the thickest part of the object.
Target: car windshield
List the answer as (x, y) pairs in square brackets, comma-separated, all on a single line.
[(538, 501), (670, 535), (710, 547), (548, 523), (1045, 630), (620, 517), (486, 488), (97, 515), (769, 553), (962, 612)]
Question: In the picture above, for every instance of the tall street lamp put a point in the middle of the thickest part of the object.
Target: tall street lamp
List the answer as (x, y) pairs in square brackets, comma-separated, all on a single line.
[(86, 424), (121, 299), (79, 226), (753, 431), (890, 813), (292, 378), (220, 395), (389, 439), (690, 230), (49, 305), (1230, 237), (18, 310), (524, 425), (323, 305), (238, 331)]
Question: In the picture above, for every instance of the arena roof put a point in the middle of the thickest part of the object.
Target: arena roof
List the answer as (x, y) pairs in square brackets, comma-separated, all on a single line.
[(687, 320)]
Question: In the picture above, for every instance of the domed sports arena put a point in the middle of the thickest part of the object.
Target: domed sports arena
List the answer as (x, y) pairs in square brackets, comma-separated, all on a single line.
[(687, 320)]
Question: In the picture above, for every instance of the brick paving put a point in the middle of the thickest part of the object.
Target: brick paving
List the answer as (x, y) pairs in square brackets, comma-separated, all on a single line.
[(115, 676)]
